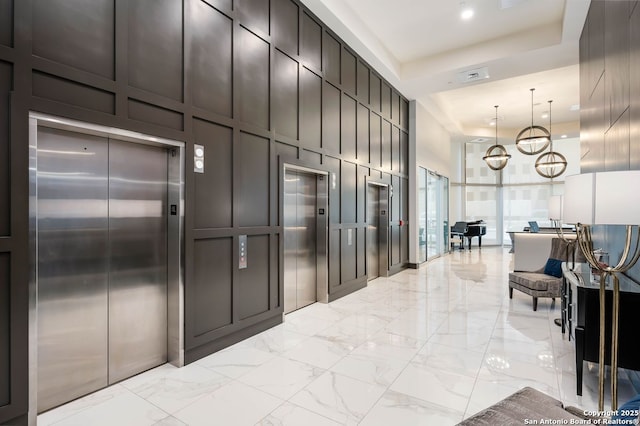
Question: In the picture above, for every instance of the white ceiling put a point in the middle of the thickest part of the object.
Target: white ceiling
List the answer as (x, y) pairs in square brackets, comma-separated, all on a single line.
[(421, 46)]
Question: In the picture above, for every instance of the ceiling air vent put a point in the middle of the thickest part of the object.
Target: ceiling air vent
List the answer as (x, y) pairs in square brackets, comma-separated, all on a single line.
[(505, 4), (473, 75)]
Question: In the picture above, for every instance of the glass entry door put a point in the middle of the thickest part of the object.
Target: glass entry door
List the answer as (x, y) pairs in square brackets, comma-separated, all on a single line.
[(433, 214)]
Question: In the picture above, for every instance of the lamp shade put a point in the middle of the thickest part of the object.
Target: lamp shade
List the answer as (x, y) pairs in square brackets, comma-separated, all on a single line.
[(617, 198), (555, 207), (605, 198), (577, 203)]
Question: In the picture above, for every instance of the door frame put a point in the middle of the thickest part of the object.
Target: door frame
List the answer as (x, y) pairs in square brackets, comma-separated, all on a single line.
[(322, 227), (175, 235), (385, 191)]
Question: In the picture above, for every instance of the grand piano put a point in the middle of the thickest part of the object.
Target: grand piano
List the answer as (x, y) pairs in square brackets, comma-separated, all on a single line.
[(469, 230)]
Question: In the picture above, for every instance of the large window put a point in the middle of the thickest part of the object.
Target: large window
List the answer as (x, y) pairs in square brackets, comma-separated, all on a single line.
[(507, 200)]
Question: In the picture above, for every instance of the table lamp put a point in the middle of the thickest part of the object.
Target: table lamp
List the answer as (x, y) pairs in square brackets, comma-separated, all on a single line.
[(605, 198)]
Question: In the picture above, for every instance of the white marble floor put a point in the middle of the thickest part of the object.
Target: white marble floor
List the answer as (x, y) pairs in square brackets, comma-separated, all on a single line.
[(427, 346)]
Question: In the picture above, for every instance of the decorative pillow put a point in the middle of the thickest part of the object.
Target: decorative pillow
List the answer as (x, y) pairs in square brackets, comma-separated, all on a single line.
[(553, 268), (628, 413)]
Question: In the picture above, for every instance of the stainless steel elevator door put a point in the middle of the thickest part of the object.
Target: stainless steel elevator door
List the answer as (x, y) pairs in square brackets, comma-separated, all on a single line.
[(373, 225), (102, 262), (72, 265), (300, 240), (138, 255)]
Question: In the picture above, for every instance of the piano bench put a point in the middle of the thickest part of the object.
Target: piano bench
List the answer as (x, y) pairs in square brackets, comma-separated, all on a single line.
[(456, 240)]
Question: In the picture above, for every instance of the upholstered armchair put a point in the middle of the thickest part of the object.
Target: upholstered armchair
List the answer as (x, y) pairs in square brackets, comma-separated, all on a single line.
[(546, 281)]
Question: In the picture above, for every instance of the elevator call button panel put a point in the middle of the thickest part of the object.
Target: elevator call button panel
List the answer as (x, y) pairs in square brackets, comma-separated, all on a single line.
[(242, 247)]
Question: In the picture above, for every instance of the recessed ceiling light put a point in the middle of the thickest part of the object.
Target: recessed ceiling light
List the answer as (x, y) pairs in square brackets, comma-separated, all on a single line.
[(466, 11), (545, 115), (478, 140), (563, 136)]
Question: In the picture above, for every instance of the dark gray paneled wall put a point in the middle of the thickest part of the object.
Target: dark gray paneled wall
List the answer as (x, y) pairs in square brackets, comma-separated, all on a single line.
[(257, 82), (610, 99)]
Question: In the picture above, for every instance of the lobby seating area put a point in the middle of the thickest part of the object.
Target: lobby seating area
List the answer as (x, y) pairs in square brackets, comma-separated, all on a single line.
[(530, 266), (434, 345)]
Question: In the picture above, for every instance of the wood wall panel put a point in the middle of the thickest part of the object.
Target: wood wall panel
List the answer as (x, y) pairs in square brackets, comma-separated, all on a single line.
[(253, 78), (616, 143), (214, 188), (616, 45), (155, 46), (396, 198), (252, 191), (395, 108), (361, 193), (254, 14), (395, 149), (363, 82), (404, 114), (331, 58), (60, 89), (5, 329), (609, 93), (375, 135), (385, 99), (348, 192), (211, 61), (348, 65), (220, 73), (285, 95), (374, 92), (286, 151), (596, 43), (311, 44), (334, 259), (311, 114), (253, 281), (348, 127), (362, 135), (361, 266), (57, 24), (634, 88), (285, 26), (6, 23), (224, 5), (385, 144), (333, 166), (6, 77), (211, 288), (331, 118), (149, 113), (598, 125), (404, 153), (348, 255)]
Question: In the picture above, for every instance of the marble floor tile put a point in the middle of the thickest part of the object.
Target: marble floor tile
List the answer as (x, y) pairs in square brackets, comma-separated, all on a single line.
[(111, 406), (282, 377), (169, 421), (398, 409), (233, 404), (449, 359), (426, 346), (342, 399), (390, 345), (369, 368), (433, 385), (275, 340), (319, 352), (172, 388), (236, 360), (289, 414)]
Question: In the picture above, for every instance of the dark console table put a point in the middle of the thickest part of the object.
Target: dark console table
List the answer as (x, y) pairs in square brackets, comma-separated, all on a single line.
[(581, 315)]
